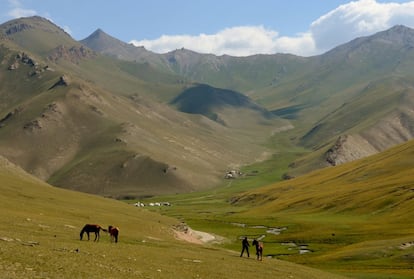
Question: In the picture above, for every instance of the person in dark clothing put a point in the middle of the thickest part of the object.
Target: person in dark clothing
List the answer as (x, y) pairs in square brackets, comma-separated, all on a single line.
[(245, 245)]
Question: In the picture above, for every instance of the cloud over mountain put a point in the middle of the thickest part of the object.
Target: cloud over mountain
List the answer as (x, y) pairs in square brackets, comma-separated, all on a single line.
[(354, 19), (337, 26), (16, 10), (238, 41)]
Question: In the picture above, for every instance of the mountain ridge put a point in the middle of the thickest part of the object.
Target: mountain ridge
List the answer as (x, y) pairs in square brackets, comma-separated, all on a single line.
[(351, 93), (76, 108)]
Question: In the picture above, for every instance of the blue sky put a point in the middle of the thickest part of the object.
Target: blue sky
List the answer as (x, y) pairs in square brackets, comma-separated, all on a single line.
[(240, 28)]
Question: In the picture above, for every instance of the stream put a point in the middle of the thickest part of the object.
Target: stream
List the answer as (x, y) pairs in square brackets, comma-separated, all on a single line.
[(302, 249)]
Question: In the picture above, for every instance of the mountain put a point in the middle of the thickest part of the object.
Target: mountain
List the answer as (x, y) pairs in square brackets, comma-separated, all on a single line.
[(371, 107), (211, 102), (85, 121), (176, 122), (236, 73), (106, 44), (350, 102)]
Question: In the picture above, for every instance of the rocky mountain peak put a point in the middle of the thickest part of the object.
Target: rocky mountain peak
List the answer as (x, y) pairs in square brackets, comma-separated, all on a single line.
[(398, 34), (99, 34)]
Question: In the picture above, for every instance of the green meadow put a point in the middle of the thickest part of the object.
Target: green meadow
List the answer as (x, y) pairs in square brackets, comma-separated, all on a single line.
[(354, 219), (39, 238), (110, 131)]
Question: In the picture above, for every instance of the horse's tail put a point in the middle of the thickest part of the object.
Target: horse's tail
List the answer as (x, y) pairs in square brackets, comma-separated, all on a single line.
[(105, 230)]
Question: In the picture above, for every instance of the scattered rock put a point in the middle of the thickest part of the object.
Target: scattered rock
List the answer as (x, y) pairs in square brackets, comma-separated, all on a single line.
[(70, 227), (232, 174), (30, 243), (63, 81), (33, 125), (9, 116), (406, 245), (8, 239), (13, 66)]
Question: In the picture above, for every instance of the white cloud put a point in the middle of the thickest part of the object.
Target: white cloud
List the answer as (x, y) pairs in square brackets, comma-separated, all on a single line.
[(303, 44), (67, 29), (237, 41), (356, 19), (348, 21), (17, 10)]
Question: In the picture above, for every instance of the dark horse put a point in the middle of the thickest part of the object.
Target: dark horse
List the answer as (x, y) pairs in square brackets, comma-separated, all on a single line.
[(88, 228), (259, 249), (113, 232)]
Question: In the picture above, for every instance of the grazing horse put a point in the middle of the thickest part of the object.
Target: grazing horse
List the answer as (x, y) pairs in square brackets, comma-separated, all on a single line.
[(259, 249), (88, 228), (113, 233)]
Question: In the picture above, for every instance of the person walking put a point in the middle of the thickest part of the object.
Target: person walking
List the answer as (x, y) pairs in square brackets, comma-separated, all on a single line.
[(245, 247)]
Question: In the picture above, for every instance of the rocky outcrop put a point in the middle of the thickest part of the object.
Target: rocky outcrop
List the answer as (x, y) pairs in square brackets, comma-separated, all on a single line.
[(63, 81), (15, 28), (349, 148), (51, 113), (396, 128), (33, 125), (9, 116), (73, 54), (13, 66), (23, 58)]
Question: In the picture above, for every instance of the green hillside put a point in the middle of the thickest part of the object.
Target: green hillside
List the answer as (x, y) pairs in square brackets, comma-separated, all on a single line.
[(209, 101), (356, 214), (353, 100), (39, 238), (122, 122), (85, 121), (353, 219)]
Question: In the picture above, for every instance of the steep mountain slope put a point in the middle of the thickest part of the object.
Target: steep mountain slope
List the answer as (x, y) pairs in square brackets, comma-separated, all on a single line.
[(356, 216), (104, 43), (216, 104), (237, 73), (350, 102), (94, 123), (375, 111), (357, 187)]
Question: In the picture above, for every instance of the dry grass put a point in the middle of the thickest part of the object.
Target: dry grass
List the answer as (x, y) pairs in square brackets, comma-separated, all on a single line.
[(39, 238)]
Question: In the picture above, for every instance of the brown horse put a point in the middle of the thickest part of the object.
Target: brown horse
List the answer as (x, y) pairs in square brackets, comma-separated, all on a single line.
[(88, 228), (259, 249), (113, 232)]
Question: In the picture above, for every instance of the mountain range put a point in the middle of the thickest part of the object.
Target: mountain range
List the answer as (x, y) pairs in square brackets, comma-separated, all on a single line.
[(106, 117)]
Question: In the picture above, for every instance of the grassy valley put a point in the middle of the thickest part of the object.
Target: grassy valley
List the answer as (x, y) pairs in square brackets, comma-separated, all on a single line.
[(39, 237), (353, 219), (319, 150)]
